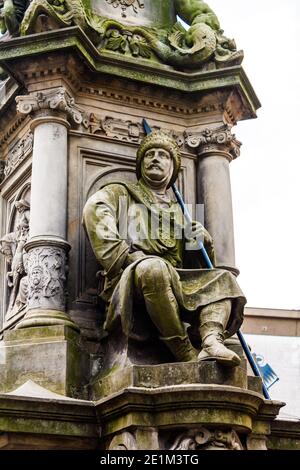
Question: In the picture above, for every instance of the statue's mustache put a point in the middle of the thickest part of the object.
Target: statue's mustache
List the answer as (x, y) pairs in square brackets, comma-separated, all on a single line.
[(153, 165)]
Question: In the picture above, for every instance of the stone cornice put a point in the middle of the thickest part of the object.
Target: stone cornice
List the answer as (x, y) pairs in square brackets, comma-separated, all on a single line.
[(56, 99), (111, 64), (210, 140)]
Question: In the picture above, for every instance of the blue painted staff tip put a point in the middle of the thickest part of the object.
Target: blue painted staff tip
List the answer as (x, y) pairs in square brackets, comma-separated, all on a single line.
[(146, 126)]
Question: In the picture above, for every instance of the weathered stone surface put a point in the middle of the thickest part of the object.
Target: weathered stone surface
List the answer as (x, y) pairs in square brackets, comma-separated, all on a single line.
[(50, 356), (168, 375), (285, 435), (46, 422)]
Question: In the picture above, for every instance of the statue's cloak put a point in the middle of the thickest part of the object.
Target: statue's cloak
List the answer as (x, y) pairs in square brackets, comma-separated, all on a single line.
[(111, 218)]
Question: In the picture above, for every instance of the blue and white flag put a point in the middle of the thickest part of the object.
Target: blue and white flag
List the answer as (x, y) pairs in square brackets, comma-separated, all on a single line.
[(269, 376)]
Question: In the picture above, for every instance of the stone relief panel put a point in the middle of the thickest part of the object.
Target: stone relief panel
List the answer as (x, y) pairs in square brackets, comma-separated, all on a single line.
[(12, 248), (19, 152), (126, 130), (46, 278)]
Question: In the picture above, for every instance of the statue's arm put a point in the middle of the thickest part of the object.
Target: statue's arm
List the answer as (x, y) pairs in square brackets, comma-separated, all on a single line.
[(100, 219), (197, 11)]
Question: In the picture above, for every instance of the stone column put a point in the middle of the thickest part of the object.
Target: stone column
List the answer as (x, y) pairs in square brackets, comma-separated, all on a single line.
[(216, 149), (47, 247)]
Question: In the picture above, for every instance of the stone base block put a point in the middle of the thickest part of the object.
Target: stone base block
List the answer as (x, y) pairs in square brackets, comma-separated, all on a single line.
[(50, 356), (167, 375), (33, 418)]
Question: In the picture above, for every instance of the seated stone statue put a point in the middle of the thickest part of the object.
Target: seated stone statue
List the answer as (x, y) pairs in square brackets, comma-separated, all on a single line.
[(143, 261)]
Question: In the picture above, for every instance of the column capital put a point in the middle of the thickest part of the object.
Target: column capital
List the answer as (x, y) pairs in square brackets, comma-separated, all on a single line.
[(56, 100), (212, 141)]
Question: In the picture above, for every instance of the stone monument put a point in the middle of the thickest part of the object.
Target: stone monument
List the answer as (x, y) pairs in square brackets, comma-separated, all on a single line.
[(77, 79)]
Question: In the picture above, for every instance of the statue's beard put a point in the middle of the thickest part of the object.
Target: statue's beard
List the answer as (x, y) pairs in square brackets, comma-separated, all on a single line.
[(157, 184)]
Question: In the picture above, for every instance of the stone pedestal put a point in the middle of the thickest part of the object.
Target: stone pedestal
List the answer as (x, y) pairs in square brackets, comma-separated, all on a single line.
[(187, 406), (50, 356)]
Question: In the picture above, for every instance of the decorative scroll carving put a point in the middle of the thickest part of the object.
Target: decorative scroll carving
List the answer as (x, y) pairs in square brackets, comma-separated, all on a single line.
[(210, 139), (115, 128), (128, 131), (207, 439), (57, 100), (19, 152), (12, 247), (46, 278), (124, 4)]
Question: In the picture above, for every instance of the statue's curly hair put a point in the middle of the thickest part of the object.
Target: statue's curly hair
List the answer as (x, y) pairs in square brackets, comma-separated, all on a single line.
[(158, 139)]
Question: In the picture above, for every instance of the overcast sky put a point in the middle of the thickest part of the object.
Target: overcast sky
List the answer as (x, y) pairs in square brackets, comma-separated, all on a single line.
[(266, 177)]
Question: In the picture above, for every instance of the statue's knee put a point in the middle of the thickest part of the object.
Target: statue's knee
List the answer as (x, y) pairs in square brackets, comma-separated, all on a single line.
[(152, 273)]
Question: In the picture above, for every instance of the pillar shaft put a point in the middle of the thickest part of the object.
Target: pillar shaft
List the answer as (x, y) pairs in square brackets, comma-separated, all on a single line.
[(214, 192), (47, 248), (216, 148), (49, 181)]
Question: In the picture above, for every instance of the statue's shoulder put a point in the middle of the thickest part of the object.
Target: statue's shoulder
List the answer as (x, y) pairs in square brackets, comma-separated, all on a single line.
[(113, 190), (118, 187)]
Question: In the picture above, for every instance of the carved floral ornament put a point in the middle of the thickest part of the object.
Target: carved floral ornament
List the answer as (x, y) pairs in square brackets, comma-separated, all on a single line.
[(57, 100), (46, 277)]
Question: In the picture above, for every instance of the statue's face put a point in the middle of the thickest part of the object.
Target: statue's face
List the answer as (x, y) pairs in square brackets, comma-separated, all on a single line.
[(157, 164)]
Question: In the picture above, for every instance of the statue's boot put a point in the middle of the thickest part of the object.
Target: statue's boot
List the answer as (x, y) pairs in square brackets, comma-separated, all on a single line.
[(213, 321), (182, 348)]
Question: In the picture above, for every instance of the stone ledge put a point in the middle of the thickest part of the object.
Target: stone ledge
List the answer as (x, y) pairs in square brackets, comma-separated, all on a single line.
[(178, 406), (168, 375)]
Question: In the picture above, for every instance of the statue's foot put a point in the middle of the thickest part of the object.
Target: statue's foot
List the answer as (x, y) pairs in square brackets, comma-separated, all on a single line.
[(181, 348), (213, 350)]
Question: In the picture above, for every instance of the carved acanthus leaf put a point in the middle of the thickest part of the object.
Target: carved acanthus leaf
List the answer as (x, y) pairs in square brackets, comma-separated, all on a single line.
[(56, 99), (208, 139)]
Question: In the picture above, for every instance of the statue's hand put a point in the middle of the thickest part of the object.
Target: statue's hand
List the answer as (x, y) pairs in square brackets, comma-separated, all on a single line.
[(195, 233)]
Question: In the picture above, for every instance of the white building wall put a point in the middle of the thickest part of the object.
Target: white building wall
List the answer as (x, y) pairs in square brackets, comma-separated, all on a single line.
[(282, 353)]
